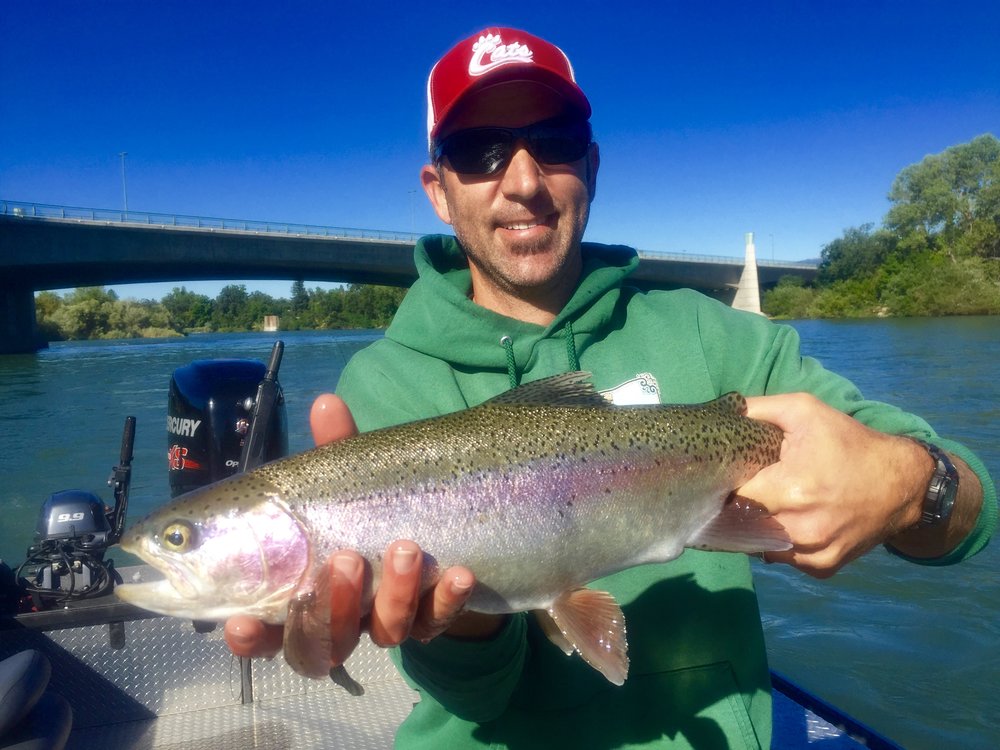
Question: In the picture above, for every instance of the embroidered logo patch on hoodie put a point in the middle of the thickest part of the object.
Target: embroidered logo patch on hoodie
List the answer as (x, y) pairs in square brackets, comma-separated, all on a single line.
[(642, 389)]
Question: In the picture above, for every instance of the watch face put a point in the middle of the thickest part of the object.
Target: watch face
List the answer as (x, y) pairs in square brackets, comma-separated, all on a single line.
[(948, 501), (941, 491)]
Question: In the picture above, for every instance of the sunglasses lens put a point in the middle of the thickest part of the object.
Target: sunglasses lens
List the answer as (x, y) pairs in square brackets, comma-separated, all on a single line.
[(560, 145), (480, 151), (483, 151)]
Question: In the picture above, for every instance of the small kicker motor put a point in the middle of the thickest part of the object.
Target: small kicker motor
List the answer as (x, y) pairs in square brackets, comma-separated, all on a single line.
[(74, 530)]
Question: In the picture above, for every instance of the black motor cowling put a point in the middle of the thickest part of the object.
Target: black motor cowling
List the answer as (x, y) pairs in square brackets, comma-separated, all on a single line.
[(211, 411)]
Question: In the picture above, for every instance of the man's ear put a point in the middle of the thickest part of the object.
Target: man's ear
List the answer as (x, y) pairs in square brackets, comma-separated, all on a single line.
[(593, 164), (432, 180)]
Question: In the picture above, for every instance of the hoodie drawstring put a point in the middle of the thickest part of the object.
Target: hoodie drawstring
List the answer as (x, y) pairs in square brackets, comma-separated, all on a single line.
[(508, 345), (571, 356)]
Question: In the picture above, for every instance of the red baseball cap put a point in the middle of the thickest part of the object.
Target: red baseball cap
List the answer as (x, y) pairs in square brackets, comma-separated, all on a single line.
[(498, 55)]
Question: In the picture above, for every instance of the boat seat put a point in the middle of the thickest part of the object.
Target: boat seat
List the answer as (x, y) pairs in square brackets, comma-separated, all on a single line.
[(30, 717)]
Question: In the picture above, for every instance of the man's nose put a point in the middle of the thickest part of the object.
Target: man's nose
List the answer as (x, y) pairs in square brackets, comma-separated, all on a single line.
[(523, 176)]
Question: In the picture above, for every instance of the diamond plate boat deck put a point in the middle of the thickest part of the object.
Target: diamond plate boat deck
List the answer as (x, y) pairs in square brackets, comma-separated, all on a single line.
[(135, 680)]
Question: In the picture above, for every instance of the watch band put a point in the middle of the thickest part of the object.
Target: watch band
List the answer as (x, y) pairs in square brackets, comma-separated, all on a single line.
[(942, 489)]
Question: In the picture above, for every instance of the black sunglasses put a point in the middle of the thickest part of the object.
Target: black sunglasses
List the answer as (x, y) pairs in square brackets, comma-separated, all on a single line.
[(483, 151)]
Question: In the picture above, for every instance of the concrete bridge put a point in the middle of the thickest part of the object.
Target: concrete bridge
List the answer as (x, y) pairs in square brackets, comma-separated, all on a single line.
[(57, 247)]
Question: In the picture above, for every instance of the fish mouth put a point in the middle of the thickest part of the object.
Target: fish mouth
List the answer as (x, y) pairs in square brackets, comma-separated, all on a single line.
[(163, 598), (157, 596), (142, 547), (177, 592)]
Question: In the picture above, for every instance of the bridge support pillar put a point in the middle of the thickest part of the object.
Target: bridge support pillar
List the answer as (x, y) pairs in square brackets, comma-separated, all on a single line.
[(17, 321), (748, 292)]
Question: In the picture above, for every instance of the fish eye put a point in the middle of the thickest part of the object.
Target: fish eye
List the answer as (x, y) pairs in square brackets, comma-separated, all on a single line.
[(179, 536)]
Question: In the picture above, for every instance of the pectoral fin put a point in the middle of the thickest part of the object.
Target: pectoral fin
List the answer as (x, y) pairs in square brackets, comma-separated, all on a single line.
[(307, 643), (742, 526), (339, 675), (592, 623)]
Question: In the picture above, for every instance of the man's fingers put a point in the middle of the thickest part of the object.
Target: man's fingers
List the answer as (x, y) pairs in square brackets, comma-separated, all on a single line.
[(442, 604), (398, 611), (330, 419), (249, 637), (781, 409), (398, 594), (347, 573)]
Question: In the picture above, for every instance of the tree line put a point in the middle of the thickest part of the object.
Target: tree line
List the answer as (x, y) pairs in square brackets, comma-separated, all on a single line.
[(937, 251), (96, 312)]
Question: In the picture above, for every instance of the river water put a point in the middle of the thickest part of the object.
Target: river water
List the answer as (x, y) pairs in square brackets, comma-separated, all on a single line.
[(913, 651)]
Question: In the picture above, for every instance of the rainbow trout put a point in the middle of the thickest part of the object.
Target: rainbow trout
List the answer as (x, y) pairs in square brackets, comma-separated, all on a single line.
[(538, 491)]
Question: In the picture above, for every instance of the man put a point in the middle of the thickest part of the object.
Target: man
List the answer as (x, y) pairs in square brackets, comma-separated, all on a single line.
[(518, 296)]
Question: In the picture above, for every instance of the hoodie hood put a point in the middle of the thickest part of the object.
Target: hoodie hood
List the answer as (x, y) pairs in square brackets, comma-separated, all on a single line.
[(437, 317)]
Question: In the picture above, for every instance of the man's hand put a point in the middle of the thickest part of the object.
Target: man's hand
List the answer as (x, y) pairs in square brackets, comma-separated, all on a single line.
[(398, 610), (839, 487)]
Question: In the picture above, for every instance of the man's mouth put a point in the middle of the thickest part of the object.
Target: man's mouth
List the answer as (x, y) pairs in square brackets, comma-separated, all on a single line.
[(520, 225)]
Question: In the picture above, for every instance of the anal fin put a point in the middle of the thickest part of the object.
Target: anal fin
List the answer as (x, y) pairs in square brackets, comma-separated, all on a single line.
[(592, 623), (552, 631)]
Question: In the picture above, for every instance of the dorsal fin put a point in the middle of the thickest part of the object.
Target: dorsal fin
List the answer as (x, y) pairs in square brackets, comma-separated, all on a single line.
[(568, 389), (728, 403)]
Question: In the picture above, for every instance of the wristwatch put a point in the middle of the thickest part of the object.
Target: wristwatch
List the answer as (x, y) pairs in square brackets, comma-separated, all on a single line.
[(942, 490)]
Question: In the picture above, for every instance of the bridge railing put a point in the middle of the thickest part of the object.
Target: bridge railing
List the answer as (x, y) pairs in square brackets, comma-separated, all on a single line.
[(726, 259), (146, 218), (106, 215)]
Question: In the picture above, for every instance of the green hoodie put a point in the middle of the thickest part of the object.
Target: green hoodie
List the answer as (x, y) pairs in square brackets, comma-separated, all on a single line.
[(698, 675)]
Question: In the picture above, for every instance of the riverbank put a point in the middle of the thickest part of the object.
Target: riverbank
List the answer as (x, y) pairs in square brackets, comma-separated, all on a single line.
[(92, 313), (929, 286)]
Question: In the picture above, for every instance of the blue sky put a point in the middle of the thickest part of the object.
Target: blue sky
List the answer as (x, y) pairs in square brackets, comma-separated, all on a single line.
[(788, 119)]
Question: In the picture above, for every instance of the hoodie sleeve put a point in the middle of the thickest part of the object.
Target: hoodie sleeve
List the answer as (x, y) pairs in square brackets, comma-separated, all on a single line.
[(473, 680), (781, 368)]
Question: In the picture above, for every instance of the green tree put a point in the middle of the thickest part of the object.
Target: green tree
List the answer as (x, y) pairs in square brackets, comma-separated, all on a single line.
[(934, 284), (860, 252), (300, 297), (371, 306), (791, 298), (46, 305), (258, 305), (325, 310), (228, 311), (950, 201), (850, 298), (86, 313), (131, 318), (187, 310)]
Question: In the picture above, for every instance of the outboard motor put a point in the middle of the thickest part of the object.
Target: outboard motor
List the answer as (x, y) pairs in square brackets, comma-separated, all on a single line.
[(75, 523), (223, 416), (74, 530)]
